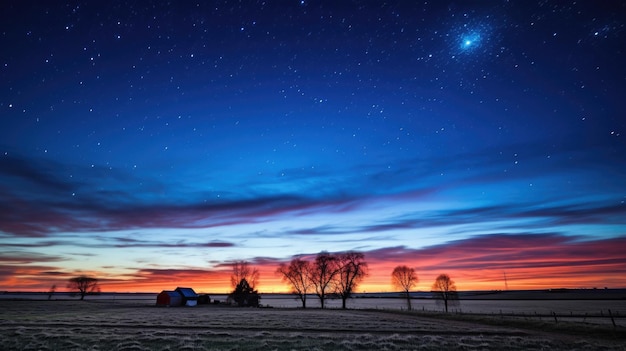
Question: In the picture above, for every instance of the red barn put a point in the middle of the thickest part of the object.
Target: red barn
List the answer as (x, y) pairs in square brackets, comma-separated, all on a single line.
[(169, 298)]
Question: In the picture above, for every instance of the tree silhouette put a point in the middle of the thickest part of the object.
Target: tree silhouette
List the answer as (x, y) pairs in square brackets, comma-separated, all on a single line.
[(298, 275), (242, 270), (245, 295), (323, 272), (445, 290), (53, 288), (404, 278), (85, 285), (352, 268)]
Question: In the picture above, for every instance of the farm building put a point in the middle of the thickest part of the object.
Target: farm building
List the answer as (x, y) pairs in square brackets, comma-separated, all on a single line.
[(178, 297), (190, 298), (169, 298), (204, 299)]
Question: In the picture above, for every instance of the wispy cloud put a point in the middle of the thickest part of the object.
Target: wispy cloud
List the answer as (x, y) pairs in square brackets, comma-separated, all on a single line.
[(40, 175), (49, 201), (24, 257), (119, 242), (532, 257)]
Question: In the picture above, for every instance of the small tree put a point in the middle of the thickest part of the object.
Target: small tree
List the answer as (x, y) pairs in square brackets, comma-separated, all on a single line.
[(323, 273), (84, 285), (242, 270), (245, 295), (298, 275), (445, 290), (53, 288), (352, 269), (404, 278)]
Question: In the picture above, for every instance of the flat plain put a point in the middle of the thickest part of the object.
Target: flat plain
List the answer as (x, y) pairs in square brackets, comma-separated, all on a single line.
[(128, 325)]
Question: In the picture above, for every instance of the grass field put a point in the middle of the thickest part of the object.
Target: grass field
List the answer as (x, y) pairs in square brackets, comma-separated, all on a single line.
[(106, 325)]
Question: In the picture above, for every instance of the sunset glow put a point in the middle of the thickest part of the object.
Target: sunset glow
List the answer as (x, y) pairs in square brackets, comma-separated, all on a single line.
[(516, 257)]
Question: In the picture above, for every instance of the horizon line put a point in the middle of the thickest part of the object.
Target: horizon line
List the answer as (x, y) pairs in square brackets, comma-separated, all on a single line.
[(3, 292)]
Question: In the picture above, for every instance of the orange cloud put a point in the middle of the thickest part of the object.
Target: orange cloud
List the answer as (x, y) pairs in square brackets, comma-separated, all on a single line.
[(529, 261)]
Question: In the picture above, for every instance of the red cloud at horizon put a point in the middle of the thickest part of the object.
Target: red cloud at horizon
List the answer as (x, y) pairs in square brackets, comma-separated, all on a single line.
[(529, 261)]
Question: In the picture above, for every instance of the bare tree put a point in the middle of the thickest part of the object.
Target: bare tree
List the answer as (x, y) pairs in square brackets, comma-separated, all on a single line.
[(53, 288), (298, 275), (323, 273), (85, 285), (243, 271), (445, 290), (352, 269), (404, 278)]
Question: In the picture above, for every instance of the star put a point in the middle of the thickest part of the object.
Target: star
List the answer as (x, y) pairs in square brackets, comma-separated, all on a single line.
[(470, 41)]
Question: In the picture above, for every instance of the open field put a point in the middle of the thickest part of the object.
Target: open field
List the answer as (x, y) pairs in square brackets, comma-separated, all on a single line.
[(131, 325), (583, 306)]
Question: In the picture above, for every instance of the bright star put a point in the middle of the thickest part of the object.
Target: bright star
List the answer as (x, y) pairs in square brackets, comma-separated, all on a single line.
[(474, 36), (470, 41)]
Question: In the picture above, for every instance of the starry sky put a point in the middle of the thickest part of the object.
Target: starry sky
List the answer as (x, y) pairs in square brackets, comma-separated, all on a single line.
[(151, 144)]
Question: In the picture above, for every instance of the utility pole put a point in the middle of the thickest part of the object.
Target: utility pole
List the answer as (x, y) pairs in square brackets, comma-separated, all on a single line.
[(506, 284)]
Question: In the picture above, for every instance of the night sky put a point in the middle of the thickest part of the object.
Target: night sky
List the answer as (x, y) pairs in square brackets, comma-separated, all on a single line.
[(151, 145)]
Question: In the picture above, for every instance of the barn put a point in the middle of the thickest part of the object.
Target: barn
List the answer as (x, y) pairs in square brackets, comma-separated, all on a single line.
[(169, 298), (190, 298)]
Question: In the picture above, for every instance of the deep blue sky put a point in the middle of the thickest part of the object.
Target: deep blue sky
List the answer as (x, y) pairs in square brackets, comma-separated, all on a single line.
[(185, 136)]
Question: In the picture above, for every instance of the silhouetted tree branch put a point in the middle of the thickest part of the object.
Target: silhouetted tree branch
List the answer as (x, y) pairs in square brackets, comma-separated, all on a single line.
[(352, 269), (85, 285), (245, 295), (298, 275), (404, 278), (444, 290), (242, 270), (323, 272), (53, 288)]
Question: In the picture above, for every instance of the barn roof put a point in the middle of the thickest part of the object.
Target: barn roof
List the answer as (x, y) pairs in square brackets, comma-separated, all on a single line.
[(187, 292)]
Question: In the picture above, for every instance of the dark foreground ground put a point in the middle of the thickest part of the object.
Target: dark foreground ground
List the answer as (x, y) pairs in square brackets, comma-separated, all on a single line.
[(107, 325)]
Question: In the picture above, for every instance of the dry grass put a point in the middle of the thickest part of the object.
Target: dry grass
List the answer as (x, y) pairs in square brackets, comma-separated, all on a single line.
[(73, 325)]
